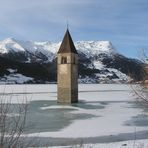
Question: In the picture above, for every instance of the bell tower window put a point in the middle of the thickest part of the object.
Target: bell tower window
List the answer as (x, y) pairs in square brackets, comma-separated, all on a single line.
[(64, 60)]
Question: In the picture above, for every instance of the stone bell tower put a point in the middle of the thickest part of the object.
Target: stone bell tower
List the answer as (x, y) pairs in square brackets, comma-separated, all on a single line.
[(67, 71)]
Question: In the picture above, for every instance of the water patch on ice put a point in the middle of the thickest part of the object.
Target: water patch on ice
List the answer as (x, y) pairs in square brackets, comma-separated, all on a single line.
[(45, 116)]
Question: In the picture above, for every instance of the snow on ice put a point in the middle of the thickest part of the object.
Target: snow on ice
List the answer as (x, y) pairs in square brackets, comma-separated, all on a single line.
[(112, 110)]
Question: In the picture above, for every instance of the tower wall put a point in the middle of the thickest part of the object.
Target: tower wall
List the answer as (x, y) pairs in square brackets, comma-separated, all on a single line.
[(67, 78)]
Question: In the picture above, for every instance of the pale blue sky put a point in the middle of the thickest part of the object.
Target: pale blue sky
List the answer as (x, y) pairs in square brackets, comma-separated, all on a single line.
[(123, 22)]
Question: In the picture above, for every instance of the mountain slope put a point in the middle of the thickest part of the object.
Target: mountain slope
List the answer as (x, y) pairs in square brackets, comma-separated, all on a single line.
[(35, 62)]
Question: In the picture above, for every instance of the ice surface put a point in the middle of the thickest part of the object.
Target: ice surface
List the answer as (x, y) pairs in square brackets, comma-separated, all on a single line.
[(102, 110)]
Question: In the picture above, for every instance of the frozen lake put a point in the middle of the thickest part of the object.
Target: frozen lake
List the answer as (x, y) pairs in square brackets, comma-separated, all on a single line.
[(105, 112)]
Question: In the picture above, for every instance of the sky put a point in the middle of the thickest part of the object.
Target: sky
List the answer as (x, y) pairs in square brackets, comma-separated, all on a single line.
[(123, 22)]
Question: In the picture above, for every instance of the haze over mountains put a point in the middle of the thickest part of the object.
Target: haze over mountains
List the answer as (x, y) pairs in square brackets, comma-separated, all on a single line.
[(35, 62)]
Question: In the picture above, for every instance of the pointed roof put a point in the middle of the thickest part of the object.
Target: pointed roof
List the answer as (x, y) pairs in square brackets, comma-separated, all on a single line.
[(67, 45)]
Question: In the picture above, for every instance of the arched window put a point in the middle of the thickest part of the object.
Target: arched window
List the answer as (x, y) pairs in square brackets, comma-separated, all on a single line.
[(64, 60)]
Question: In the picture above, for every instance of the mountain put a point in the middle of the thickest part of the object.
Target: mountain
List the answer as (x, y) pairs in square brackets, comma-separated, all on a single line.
[(35, 62)]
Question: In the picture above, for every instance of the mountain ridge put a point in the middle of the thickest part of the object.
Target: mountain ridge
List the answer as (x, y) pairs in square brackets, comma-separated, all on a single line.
[(99, 62)]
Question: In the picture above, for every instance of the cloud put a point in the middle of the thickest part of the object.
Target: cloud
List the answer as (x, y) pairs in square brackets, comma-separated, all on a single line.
[(116, 20)]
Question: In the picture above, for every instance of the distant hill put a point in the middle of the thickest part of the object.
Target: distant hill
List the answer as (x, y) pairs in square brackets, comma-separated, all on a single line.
[(35, 62)]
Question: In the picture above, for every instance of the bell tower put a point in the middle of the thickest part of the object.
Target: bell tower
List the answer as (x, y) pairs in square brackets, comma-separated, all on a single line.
[(67, 71)]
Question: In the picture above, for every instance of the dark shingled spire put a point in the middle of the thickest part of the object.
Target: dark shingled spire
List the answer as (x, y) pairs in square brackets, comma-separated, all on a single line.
[(67, 45)]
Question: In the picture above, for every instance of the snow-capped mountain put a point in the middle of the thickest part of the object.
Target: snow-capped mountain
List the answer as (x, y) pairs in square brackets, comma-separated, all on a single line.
[(99, 62), (48, 49)]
